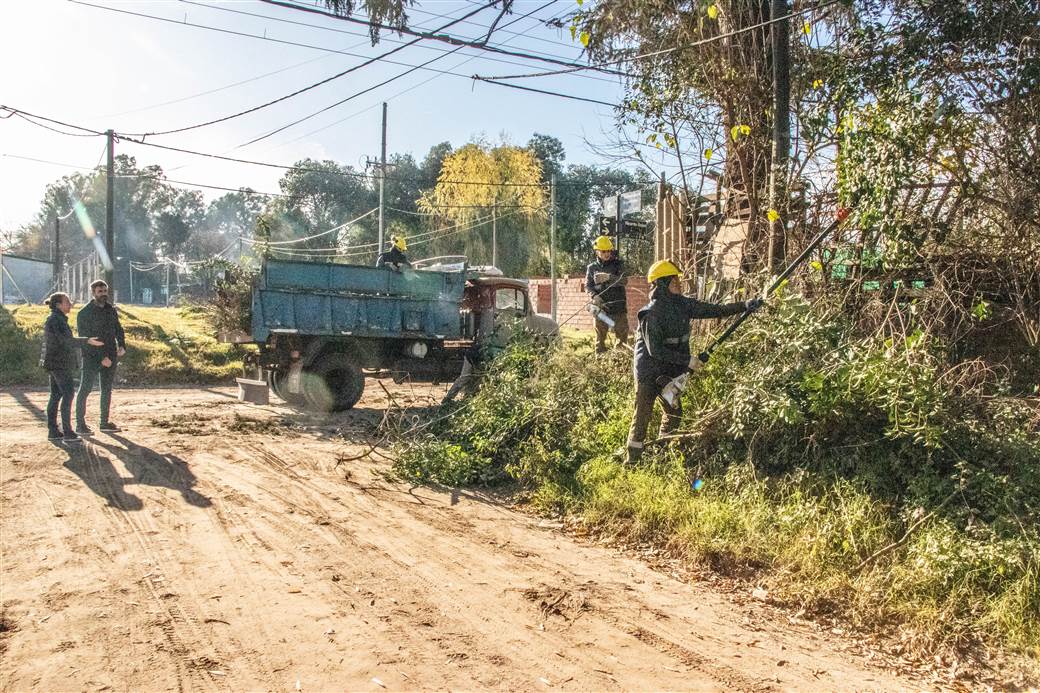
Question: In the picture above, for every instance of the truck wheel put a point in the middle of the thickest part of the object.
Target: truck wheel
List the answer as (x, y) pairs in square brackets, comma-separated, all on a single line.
[(334, 384), (280, 385)]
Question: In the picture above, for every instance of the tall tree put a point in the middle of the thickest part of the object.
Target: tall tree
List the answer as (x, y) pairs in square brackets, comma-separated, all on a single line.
[(491, 187)]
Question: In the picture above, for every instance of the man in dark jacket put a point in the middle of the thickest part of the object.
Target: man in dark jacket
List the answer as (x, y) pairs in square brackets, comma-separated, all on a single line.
[(60, 360), (394, 257), (605, 280), (662, 349), (99, 318)]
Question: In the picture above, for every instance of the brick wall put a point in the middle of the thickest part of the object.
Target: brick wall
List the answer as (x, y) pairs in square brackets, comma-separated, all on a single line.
[(571, 297)]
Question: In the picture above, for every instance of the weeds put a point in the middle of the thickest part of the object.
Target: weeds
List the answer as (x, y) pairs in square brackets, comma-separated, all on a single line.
[(841, 470)]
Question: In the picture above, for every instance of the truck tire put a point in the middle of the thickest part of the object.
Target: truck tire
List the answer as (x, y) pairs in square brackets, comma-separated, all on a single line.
[(280, 385), (334, 383)]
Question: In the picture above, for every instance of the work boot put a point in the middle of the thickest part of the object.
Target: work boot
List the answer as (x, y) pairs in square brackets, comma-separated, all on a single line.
[(84, 430), (635, 453), (109, 427), (71, 438), (53, 434)]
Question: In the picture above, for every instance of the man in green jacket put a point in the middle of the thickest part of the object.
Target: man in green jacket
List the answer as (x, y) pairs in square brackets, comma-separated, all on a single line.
[(100, 319), (662, 349)]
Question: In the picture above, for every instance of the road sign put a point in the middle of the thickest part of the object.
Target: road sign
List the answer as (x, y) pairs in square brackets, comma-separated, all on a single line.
[(632, 201)]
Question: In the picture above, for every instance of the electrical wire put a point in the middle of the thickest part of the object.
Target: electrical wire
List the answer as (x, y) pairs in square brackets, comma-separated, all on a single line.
[(387, 39), (419, 84), (443, 38), (664, 51), (285, 167), (495, 80), (305, 89), (323, 233)]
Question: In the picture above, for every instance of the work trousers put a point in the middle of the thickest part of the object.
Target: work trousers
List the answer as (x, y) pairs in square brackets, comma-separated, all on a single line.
[(620, 331), (646, 393), (93, 372), (63, 387)]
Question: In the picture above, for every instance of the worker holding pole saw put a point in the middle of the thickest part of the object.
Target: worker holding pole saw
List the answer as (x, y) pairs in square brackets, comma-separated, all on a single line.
[(662, 361)]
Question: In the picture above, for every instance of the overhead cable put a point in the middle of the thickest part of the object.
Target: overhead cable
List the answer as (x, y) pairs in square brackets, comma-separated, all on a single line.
[(664, 51), (444, 38), (307, 88)]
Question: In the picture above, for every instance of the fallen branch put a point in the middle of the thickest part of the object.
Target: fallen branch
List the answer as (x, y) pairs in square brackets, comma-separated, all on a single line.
[(903, 539)]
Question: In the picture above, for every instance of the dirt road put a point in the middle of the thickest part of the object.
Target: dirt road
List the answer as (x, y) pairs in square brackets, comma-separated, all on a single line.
[(221, 546)]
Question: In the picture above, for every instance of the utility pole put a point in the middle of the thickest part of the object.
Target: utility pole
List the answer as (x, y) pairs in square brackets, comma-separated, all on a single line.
[(130, 265), (167, 282), (780, 30), (494, 235), (617, 229), (110, 213), (382, 179), (552, 247), (56, 251)]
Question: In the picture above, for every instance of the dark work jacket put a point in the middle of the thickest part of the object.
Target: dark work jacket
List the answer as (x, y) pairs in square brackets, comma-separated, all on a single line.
[(612, 291), (663, 338), (393, 257), (59, 346), (101, 322)]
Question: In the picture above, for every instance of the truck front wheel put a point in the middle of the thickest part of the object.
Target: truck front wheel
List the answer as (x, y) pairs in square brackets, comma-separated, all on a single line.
[(334, 383)]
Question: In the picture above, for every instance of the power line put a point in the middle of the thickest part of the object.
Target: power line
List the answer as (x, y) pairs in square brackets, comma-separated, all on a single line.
[(664, 51), (349, 98), (309, 87), (386, 39), (494, 80), (252, 162), (257, 36), (443, 37), (218, 89), (372, 88), (423, 83)]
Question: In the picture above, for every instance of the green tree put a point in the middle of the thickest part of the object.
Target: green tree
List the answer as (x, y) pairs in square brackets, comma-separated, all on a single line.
[(483, 188)]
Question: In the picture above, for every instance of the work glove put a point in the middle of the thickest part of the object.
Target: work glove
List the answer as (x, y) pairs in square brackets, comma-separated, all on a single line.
[(754, 304), (597, 301), (698, 361)]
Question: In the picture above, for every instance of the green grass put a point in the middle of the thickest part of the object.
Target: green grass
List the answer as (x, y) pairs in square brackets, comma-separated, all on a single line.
[(165, 346), (842, 473)]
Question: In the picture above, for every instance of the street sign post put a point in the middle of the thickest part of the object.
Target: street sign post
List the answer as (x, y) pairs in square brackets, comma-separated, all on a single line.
[(631, 201)]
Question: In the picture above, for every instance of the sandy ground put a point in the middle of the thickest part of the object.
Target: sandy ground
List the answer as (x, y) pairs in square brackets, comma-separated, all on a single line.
[(216, 545)]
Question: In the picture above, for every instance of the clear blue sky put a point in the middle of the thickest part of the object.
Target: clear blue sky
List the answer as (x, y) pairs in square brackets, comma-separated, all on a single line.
[(104, 69)]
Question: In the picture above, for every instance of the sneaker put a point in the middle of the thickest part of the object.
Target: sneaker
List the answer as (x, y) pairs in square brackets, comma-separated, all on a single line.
[(71, 439), (84, 430), (54, 435), (109, 427)]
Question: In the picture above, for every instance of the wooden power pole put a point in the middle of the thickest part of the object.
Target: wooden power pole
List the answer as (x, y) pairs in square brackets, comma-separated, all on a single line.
[(110, 215), (382, 180)]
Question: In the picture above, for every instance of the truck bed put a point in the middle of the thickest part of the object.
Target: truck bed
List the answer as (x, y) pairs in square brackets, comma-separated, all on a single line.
[(310, 298)]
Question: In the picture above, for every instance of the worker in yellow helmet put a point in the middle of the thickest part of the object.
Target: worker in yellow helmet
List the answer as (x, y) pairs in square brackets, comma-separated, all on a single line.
[(394, 257), (662, 348), (605, 281)]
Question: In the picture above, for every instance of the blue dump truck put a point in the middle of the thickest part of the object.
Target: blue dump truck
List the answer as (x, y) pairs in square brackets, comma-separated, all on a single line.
[(322, 327)]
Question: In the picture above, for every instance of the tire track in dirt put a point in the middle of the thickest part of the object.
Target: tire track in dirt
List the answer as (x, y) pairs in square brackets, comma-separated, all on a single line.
[(179, 626), (449, 527)]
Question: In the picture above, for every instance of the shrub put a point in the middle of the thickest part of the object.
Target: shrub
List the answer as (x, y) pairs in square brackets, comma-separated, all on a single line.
[(844, 470)]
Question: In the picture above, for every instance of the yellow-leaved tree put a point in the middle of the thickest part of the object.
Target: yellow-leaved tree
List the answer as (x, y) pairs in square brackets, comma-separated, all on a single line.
[(491, 203)]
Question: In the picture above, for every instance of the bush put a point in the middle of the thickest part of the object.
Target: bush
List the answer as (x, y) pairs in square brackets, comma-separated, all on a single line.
[(853, 474)]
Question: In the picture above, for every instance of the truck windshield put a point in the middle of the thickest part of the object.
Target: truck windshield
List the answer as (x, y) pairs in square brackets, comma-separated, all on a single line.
[(510, 299)]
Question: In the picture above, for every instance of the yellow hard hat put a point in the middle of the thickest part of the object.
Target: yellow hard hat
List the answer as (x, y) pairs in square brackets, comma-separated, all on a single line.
[(661, 269), (603, 243), (399, 243)]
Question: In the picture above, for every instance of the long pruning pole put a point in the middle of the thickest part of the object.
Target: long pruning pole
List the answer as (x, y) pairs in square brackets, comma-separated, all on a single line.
[(781, 278)]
